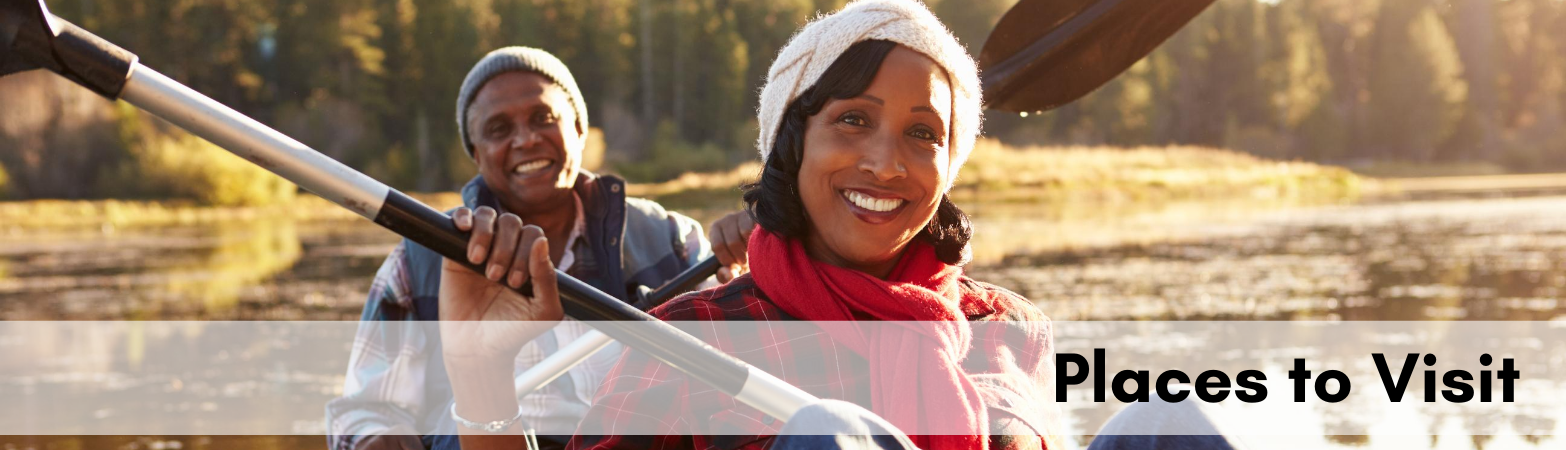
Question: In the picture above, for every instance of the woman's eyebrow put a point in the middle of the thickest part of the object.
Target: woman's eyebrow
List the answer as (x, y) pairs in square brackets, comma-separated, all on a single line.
[(924, 109), (873, 99)]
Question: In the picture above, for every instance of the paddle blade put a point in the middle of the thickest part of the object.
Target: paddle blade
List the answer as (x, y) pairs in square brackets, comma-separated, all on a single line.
[(22, 33), (1047, 53), (31, 38)]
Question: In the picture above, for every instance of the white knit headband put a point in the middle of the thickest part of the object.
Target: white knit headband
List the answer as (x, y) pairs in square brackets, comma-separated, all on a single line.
[(906, 22)]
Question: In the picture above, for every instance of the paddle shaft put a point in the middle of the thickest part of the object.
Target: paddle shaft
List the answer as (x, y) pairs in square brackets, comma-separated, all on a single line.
[(592, 342), (684, 282), (151, 91)]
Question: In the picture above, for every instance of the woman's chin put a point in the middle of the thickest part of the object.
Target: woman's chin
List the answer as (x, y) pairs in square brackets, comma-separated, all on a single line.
[(851, 243), (861, 253)]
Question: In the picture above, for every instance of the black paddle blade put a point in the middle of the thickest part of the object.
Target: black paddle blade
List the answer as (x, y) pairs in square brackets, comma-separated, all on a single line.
[(31, 38), (21, 31), (1047, 53)]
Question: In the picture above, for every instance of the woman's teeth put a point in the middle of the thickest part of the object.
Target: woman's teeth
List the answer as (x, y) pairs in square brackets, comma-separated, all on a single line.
[(531, 167), (872, 203)]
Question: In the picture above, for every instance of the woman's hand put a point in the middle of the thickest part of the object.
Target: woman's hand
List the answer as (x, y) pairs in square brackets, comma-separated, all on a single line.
[(729, 236), (485, 324)]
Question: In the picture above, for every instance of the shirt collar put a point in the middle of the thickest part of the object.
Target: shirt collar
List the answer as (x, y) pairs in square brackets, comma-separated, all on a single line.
[(578, 229)]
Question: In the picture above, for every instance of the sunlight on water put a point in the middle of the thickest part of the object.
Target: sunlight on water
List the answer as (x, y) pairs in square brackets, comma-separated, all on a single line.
[(1430, 259), (1494, 259), (231, 270), (1498, 259)]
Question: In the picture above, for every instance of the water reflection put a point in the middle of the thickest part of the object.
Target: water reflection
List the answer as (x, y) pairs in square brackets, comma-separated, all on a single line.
[(1501, 259), (1431, 259), (253, 270), (1493, 259), (232, 270), (162, 442)]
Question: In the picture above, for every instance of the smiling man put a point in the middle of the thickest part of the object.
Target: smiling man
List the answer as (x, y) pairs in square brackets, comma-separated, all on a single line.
[(524, 121)]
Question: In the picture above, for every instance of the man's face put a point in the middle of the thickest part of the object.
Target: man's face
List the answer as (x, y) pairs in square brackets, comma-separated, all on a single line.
[(526, 141)]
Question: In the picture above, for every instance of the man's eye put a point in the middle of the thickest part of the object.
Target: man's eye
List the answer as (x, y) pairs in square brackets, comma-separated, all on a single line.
[(495, 131)]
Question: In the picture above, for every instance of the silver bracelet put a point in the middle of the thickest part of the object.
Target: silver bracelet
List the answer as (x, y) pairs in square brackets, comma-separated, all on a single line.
[(494, 426)]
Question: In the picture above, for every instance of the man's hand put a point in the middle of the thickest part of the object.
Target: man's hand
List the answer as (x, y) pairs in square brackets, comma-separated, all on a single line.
[(482, 322), (729, 236)]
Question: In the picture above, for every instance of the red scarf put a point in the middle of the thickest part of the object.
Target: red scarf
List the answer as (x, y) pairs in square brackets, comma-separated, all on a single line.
[(924, 296)]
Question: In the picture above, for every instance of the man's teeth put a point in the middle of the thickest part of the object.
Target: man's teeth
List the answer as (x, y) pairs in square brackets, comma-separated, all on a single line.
[(872, 203), (532, 166)]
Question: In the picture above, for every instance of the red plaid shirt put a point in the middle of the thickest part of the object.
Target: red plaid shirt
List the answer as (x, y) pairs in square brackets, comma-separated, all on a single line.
[(685, 404)]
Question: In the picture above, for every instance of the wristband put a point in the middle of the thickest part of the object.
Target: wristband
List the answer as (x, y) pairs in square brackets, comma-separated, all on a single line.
[(494, 426)]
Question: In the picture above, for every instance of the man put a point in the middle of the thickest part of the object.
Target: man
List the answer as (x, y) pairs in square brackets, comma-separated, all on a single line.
[(524, 122)]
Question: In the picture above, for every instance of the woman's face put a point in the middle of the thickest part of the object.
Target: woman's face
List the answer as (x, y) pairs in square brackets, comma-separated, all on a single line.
[(874, 166)]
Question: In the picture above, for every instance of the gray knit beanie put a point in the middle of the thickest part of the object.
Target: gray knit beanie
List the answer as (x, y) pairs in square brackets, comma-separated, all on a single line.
[(516, 59)]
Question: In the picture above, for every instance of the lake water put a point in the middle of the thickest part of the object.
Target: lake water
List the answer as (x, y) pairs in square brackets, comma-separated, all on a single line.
[(1455, 258)]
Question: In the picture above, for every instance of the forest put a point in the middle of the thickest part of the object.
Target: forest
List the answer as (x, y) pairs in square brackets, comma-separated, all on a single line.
[(671, 84)]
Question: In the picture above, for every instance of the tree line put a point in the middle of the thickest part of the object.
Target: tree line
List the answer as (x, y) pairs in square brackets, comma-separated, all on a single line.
[(373, 82)]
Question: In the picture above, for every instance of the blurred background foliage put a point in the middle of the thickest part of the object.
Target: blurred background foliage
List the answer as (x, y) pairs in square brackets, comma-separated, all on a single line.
[(671, 86), (164, 162)]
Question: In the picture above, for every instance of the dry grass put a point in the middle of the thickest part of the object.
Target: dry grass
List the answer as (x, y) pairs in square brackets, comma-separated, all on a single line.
[(1422, 170), (126, 213), (1479, 183), (694, 181), (994, 173), (999, 172)]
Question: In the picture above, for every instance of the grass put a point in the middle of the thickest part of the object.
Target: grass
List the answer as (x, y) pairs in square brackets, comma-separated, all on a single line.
[(700, 189), (127, 213), (1516, 183), (1424, 170), (995, 173), (5, 181)]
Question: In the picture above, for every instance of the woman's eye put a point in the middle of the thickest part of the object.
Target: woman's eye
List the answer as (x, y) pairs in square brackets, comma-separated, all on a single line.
[(546, 118), (923, 134), (854, 119)]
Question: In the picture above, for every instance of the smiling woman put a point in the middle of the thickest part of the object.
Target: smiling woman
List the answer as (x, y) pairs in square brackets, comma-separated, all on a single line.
[(880, 167), (867, 116)]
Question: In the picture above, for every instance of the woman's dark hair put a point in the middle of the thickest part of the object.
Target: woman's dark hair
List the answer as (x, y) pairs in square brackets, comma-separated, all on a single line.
[(774, 201)]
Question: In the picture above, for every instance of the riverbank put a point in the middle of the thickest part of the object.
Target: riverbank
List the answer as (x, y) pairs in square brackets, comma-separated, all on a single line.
[(995, 173), (1143, 174), (127, 213), (1004, 174), (1495, 184)]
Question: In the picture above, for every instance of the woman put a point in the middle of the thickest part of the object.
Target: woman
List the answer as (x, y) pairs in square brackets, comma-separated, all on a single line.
[(866, 118)]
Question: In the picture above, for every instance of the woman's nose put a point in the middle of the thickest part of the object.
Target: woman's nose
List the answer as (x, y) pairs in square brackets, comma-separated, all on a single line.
[(883, 160)]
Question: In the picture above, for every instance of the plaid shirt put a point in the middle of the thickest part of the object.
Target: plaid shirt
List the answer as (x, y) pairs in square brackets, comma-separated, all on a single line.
[(384, 390), (687, 406)]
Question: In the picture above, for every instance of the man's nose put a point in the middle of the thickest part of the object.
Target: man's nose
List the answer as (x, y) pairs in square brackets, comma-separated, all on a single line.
[(525, 137)]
